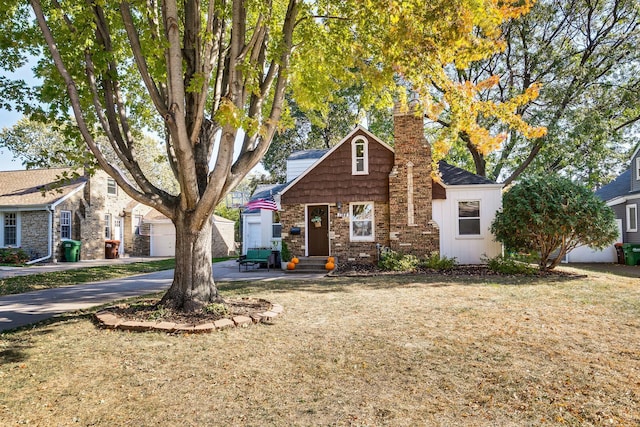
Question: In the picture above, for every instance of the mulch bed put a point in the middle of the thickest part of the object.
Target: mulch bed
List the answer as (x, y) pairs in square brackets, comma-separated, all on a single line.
[(150, 310), (352, 269)]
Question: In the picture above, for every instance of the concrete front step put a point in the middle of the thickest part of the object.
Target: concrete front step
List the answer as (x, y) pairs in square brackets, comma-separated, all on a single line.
[(310, 265)]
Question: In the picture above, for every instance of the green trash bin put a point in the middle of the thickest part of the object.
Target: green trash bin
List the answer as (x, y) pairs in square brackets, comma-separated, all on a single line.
[(631, 253), (71, 250)]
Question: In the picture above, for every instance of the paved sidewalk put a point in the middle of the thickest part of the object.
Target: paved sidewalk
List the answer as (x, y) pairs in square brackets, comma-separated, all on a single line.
[(24, 309), (7, 271)]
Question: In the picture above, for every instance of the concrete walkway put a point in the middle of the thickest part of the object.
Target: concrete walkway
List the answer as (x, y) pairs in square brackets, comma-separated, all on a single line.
[(24, 309)]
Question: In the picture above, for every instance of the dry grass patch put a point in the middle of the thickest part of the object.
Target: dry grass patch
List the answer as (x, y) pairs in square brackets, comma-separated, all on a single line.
[(397, 351)]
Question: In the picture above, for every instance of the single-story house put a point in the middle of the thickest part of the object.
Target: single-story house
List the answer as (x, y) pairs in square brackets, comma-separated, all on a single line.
[(38, 215), (363, 195)]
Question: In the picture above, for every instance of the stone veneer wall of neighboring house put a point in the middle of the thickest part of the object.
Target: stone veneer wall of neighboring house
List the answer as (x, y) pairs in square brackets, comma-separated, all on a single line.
[(33, 236), (75, 204), (142, 241), (136, 243), (411, 229), (99, 203)]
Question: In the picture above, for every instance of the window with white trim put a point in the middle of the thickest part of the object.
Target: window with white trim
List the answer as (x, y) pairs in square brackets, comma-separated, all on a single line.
[(638, 168), (65, 225), (276, 226), (632, 218), (107, 226), (362, 221), (112, 188), (359, 156), (469, 218), (10, 231), (137, 222)]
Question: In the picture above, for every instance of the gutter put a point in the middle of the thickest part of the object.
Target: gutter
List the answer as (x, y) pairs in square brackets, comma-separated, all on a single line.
[(50, 235)]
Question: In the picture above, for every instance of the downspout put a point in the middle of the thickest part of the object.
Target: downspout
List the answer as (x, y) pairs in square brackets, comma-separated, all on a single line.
[(50, 235)]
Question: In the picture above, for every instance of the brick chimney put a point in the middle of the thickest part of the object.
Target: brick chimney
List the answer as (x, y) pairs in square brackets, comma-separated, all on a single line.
[(412, 230)]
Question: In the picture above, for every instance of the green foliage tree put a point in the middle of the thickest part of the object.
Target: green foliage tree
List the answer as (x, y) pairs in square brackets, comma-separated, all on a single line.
[(551, 216), (204, 74), (583, 58), (36, 144)]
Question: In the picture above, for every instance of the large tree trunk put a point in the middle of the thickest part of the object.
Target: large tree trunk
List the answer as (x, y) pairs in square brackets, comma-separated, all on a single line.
[(193, 286)]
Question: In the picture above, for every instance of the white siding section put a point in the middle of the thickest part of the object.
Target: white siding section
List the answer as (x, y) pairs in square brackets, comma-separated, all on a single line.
[(586, 254), (256, 230), (296, 167), (163, 239), (468, 249)]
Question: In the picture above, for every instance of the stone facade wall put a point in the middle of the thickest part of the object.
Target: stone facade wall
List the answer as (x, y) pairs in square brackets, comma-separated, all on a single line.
[(76, 205), (412, 230), (136, 241), (34, 238), (99, 204)]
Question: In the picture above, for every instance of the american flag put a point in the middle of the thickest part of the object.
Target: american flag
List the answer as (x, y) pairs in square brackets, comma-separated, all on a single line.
[(263, 203)]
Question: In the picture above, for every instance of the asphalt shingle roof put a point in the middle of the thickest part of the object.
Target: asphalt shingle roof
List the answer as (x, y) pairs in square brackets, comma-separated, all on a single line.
[(452, 175), (619, 187), (307, 154), (24, 188)]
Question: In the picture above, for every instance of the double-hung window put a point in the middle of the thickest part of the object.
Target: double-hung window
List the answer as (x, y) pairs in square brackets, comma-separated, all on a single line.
[(65, 225), (10, 229), (632, 218), (469, 218), (276, 226), (362, 221), (112, 188)]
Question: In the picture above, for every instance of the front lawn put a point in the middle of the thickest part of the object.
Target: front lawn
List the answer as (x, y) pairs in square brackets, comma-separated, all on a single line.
[(367, 351)]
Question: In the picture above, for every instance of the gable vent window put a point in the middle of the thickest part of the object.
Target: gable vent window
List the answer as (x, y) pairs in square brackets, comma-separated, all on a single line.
[(360, 156), (112, 188), (469, 218)]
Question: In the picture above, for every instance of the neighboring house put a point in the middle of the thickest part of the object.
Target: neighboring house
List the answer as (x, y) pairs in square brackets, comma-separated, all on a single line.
[(362, 195), (38, 216), (623, 196)]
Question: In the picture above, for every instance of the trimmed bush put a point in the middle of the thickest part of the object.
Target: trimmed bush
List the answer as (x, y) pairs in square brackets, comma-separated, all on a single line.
[(507, 265), (436, 262), (394, 261), (13, 256)]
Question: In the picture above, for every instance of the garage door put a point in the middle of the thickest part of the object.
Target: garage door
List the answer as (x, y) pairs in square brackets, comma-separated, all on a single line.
[(163, 240)]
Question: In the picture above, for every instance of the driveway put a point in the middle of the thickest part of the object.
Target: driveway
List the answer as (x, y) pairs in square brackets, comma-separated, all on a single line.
[(24, 309)]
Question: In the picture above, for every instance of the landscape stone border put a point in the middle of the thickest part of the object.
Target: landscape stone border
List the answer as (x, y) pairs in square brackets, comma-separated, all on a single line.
[(108, 320)]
